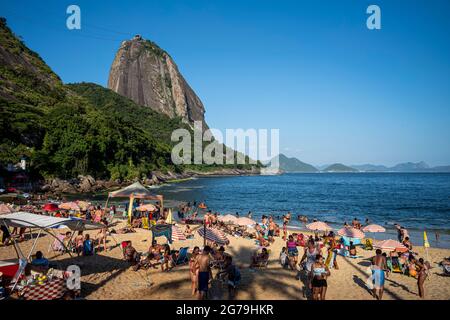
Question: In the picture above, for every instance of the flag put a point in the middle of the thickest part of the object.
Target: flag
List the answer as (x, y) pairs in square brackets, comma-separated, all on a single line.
[(426, 244), (169, 217)]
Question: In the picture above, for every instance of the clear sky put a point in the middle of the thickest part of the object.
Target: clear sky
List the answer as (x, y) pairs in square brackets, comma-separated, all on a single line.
[(337, 91)]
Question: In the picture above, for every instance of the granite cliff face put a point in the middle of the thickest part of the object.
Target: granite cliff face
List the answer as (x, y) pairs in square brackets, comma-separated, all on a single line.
[(146, 74)]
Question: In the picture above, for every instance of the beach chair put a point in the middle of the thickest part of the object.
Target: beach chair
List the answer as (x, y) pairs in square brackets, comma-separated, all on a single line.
[(182, 257), (368, 245), (394, 265)]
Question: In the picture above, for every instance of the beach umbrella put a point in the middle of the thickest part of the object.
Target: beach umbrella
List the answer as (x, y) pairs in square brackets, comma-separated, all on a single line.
[(177, 234), (318, 226), (69, 206), (373, 228), (244, 221), (146, 207), (84, 205), (50, 207), (213, 235), (4, 209), (228, 218), (351, 233), (390, 245)]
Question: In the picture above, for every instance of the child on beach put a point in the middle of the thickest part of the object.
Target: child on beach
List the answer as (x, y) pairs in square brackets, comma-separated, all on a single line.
[(283, 257)]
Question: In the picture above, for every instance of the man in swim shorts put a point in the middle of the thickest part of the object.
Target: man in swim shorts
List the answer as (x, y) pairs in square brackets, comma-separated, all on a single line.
[(204, 271), (378, 267)]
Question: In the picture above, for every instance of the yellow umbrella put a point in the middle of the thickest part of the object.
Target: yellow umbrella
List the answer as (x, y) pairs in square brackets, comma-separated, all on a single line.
[(169, 217), (426, 244)]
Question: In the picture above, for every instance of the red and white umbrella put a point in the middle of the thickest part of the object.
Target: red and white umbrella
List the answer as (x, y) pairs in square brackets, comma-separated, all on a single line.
[(244, 221), (351, 232), (390, 245), (227, 218), (4, 209), (373, 228), (213, 235), (69, 206), (318, 226), (177, 234)]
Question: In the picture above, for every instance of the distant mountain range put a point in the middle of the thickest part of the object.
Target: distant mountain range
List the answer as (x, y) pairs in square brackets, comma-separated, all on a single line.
[(293, 164)]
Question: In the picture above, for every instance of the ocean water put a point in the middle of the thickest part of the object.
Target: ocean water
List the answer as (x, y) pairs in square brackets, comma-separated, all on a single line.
[(418, 201)]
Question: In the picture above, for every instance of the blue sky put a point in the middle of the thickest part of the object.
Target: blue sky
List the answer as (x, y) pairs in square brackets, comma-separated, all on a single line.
[(337, 91)]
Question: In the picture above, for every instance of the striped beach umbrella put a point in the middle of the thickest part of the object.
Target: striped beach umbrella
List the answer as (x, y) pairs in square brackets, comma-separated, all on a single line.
[(351, 232), (177, 234), (373, 228), (390, 245), (318, 226), (213, 235)]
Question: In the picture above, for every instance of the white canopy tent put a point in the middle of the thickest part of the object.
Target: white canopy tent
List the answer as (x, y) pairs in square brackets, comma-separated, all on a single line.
[(42, 223), (134, 191), (31, 220)]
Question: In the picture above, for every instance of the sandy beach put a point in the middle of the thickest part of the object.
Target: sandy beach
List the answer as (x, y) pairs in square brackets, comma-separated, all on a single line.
[(106, 276)]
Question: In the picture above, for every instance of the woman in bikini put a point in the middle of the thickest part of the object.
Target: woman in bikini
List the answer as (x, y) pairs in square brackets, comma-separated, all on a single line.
[(318, 276), (421, 276), (193, 270)]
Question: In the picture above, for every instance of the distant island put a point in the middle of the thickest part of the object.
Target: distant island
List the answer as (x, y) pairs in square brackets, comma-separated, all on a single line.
[(293, 165)]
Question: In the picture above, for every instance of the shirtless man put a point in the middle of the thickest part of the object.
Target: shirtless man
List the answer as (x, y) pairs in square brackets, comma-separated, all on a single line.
[(378, 267), (204, 272), (155, 249), (272, 227)]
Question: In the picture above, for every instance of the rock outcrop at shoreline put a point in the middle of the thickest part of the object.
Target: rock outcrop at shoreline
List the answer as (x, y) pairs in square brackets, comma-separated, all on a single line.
[(88, 184)]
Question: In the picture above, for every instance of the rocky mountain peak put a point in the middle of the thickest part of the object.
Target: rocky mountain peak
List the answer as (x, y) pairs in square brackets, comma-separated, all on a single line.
[(146, 74)]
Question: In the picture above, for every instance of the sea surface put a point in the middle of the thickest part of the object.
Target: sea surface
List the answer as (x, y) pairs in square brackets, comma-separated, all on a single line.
[(418, 201)]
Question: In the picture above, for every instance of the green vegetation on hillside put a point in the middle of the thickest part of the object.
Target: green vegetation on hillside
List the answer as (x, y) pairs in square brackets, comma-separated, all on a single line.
[(77, 129)]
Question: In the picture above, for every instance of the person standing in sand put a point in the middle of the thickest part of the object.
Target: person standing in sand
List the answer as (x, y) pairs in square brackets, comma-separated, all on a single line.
[(421, 276), (204, 272), (193, 270), (318, 276), (378, 268), (272, 227)]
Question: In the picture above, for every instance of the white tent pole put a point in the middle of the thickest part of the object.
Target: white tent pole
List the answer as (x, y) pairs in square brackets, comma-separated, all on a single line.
[(34, 244)]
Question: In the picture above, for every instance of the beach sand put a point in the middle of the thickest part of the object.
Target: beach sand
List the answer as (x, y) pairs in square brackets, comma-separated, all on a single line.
[(106, 276)]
